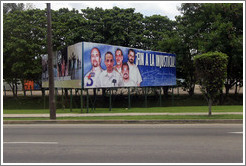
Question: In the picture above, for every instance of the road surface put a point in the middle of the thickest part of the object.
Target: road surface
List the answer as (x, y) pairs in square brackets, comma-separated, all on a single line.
[(123, 143)]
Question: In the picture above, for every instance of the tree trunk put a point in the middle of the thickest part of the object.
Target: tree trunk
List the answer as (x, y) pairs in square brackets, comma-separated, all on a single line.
[(210, 107), (23, 88), (221, 97), (43, 92), (13, 90), (12, 86), (236, 89), (227, 86), (191, 90), (16, 89)]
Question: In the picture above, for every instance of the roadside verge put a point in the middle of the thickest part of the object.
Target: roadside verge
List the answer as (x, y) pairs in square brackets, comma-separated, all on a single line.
[(226, 121)]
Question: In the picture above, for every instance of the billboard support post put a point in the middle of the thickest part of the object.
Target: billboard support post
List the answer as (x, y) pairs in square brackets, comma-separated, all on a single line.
[(56, 96), (44, 96), (129, 100), (172, 96), (71, 99), (81, 100), (160, 97), (87, 101), (62, 100), (145, 96), (110, 102), (95, 94)]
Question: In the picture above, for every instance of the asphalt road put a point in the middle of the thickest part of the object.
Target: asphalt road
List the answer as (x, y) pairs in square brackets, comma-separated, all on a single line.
[(128, 143)]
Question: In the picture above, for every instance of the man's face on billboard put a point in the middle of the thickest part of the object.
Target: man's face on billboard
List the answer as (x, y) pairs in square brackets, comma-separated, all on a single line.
[(118, 57), (109, 62), (131, 57), (125, 72), (95, 57)]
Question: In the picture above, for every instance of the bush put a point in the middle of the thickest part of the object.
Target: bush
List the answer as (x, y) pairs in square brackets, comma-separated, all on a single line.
[(211, 73)]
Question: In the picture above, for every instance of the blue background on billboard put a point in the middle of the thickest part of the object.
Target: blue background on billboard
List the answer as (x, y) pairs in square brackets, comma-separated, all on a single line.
[(151, 75)]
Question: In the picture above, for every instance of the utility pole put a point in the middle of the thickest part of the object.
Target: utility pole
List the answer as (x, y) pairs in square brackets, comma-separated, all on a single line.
[(52, 105)]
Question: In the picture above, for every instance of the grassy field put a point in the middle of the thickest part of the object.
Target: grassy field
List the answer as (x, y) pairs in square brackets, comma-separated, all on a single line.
[(179, 109), (154, 117), (172, 104)]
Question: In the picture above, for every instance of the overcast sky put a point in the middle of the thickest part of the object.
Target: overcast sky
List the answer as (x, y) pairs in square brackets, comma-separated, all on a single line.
[(147, 8)]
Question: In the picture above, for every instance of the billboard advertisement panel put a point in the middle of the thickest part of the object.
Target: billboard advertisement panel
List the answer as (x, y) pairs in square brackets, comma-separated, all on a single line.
[(114, 66), (67, 67), (93, 65)]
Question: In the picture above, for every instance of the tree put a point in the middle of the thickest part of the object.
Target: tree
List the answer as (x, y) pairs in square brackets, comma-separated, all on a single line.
[(215, 27), (211, 73), (159, 35), (95, 24), (23, 45), (181, 40), (24, 36), (69, 27), (155, 29), (114, 26), (178, 42), (11, 7), (226, 32)]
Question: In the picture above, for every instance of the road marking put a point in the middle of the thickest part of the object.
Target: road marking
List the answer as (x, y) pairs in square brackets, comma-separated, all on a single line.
[(30, 142), (235, 132)]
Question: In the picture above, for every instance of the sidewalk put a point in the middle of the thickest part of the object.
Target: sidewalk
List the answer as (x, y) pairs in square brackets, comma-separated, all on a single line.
[(110, 114)]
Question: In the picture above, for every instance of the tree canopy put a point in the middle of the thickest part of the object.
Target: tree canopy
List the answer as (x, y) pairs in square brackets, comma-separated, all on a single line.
[(215, 27), (24, 40), (211, 74)]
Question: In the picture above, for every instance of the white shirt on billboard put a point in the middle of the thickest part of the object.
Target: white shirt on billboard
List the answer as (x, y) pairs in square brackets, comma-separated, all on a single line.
[(129, 83), (106, 79), (91, 77), (134, 74), (117, 69)]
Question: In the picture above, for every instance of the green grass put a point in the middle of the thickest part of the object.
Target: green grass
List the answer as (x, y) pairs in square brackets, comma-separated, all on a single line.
[(234, 108), (153, 117)]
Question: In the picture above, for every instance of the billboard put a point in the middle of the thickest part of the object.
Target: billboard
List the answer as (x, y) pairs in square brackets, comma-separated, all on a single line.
[(67, 67), (93, 65), (115, 66)]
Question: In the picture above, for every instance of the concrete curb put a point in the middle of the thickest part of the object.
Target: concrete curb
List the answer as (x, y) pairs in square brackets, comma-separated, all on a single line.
[(226, 121)]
